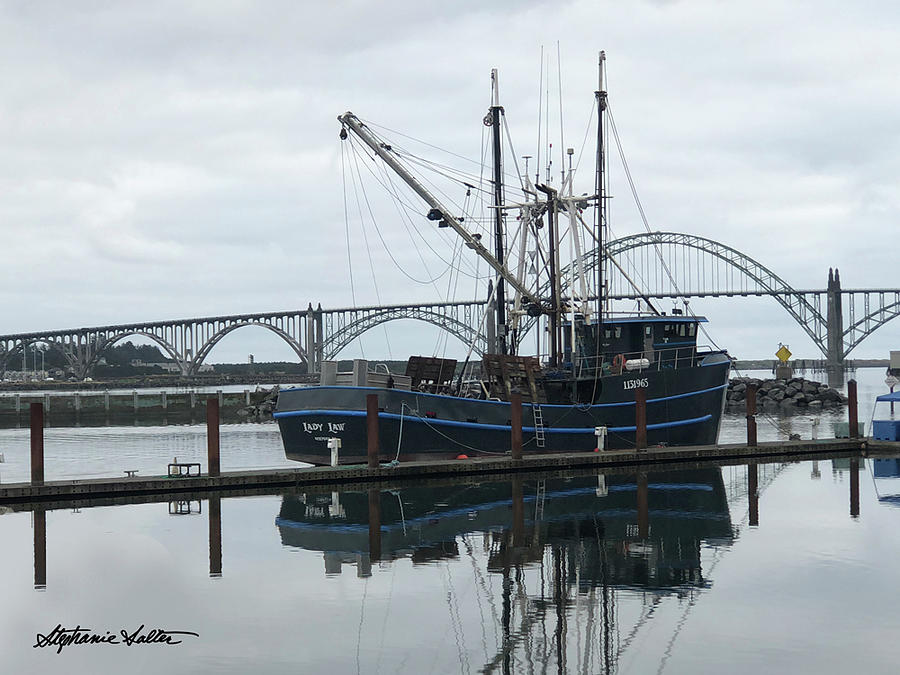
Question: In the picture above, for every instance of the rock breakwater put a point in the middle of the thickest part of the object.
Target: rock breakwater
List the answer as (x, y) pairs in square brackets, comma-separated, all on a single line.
[(796, 392)]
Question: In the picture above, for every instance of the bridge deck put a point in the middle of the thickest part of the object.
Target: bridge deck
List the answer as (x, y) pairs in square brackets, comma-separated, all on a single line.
[(52, 493)]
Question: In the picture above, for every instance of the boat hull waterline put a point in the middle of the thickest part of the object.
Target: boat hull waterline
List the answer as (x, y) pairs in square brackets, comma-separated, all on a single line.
[(684, 407)]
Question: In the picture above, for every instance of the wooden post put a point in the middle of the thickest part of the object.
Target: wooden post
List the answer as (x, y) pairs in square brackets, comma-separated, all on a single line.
[(374, 523), (515, 421), (37, 443), (854, 486), (640, 418), (372, 429), (853, 409), (40, 548), (751, 414), (753, 493), (212, 435), (215, 536)]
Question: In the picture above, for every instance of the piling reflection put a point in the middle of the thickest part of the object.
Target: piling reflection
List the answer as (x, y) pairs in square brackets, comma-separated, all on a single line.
[(215, 536), (587, 537), (753, 493), (40, 549)]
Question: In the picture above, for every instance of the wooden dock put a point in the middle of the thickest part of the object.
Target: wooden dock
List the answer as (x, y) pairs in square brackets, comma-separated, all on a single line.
[(268, 481)]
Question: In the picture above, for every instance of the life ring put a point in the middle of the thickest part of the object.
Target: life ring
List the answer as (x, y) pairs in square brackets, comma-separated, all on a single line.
[(619, 362)]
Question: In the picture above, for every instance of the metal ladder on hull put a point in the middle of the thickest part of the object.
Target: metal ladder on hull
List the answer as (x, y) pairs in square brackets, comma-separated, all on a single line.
[(538, 424)]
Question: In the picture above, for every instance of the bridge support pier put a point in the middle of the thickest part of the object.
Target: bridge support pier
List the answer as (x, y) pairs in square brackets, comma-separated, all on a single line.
[(315, 339), (834, 325)]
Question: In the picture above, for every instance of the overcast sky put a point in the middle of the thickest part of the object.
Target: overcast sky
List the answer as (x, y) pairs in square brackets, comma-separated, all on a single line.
[(177, 159)]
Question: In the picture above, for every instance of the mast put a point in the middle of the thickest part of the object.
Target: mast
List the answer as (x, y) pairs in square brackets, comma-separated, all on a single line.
[(600, 205), (499, 243), (438, 211), (553, 315)]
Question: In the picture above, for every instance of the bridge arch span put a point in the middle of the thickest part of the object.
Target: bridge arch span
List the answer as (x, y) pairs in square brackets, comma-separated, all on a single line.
[(465, 333), (106, 341), (868, 324), (764, 281), (206, 348)]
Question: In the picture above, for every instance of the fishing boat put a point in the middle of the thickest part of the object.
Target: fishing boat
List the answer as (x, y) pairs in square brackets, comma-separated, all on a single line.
[(579, 395)]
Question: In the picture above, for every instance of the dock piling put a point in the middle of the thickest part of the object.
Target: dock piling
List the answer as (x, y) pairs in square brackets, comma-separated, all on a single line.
[(37, 443), (372, 429), (751, 414), (515, 421), (852, 409), (212, 435), (640, 418)]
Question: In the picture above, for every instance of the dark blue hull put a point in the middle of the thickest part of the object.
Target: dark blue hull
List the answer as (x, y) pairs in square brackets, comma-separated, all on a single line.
[(684, 407)]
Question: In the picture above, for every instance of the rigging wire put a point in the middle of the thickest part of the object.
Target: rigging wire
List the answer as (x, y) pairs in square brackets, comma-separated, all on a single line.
[(387, 248), (368, 248), (347, 237), (388, 184)]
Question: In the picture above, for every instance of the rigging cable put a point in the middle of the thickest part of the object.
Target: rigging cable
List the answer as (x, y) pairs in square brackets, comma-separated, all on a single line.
[(392, 190), (347, 237), (387, 248), (368, 248)]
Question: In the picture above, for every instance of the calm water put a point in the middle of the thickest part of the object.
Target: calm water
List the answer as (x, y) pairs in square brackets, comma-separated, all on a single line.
[(676, 572), (670, 572)]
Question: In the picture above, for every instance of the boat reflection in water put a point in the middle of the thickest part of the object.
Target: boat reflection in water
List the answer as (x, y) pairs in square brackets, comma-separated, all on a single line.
[(595, 551), (641, 530)]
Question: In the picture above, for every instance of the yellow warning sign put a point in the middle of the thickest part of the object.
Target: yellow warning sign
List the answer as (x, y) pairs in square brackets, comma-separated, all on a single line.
[(783, 354)]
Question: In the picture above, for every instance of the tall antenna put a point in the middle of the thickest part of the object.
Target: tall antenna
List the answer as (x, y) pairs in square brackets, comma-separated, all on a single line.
[(562, 138), (537, 163)]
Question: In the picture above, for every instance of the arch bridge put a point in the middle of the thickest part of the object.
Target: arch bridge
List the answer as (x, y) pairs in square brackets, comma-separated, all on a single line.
[(670, 265), (313, 334), (664, 265)]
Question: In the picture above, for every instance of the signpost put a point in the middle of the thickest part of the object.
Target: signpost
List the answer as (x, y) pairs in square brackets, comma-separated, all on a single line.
[(892, 382), (783, 371)]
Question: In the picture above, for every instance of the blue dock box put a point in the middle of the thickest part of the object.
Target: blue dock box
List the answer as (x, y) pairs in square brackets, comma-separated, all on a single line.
[(886, 430)]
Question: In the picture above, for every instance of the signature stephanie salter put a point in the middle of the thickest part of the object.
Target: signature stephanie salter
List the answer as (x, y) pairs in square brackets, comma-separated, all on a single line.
[(61, 637)]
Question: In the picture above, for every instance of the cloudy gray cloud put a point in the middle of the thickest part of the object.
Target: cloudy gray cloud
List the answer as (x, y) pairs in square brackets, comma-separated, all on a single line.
[(180, 159)]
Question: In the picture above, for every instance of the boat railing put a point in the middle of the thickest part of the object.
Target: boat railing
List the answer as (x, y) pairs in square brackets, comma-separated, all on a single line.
[(615, 363)]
